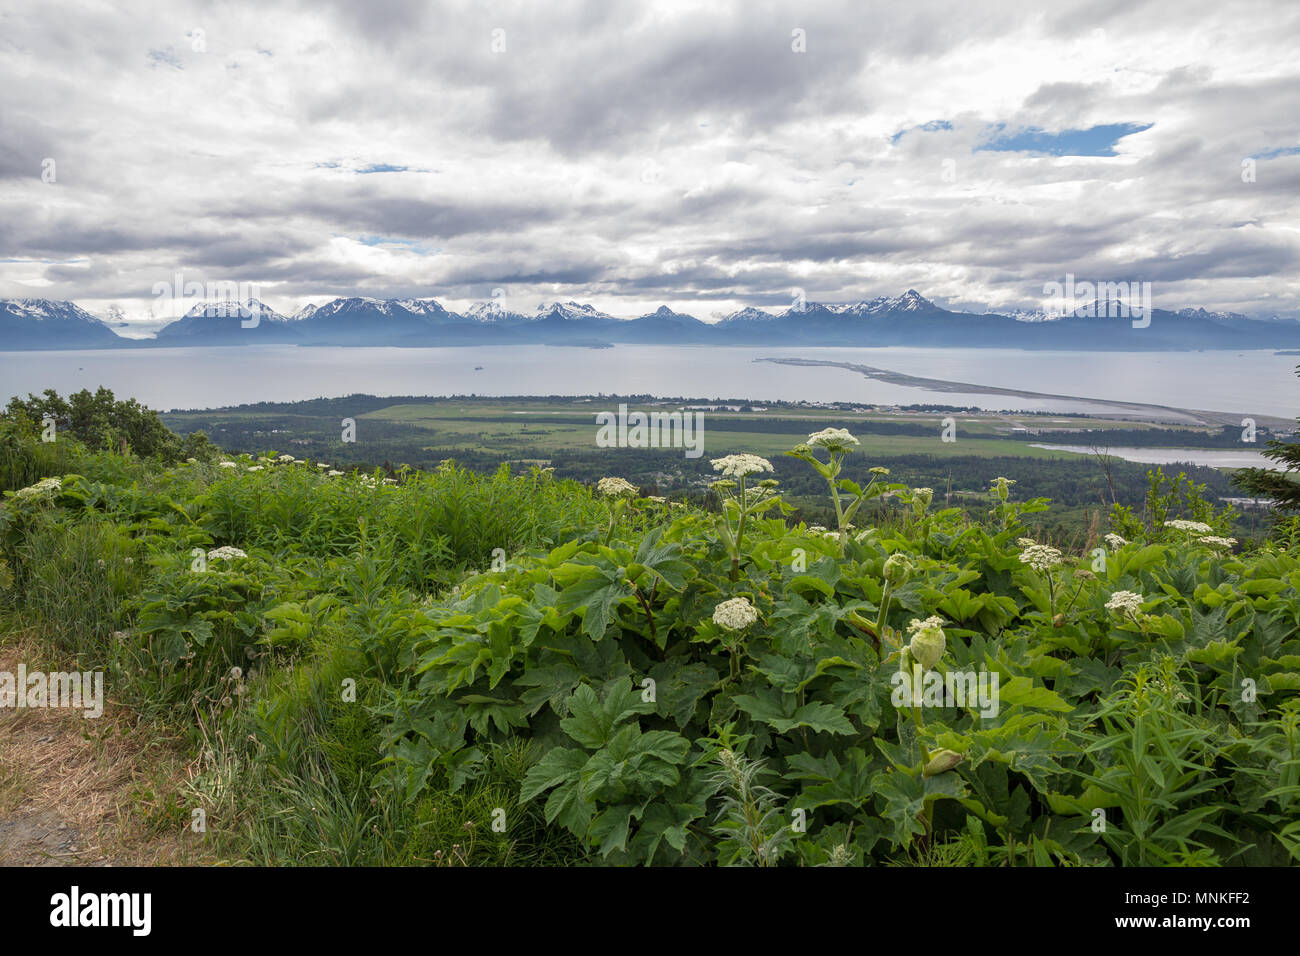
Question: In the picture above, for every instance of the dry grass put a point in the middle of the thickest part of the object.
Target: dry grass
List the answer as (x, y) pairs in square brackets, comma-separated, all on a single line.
[(114, 785)]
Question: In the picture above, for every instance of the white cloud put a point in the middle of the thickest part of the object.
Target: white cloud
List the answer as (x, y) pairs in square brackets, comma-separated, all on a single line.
[(666, 153)]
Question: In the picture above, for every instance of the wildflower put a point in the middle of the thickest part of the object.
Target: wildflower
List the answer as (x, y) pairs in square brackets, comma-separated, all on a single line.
[(1125, 603), (1001, 486), (99, 563), (921, 498), (834, 440), (227, 464), (236, 673), (390, 481), (738, 466), (254, 467), (1040, 557), (321, 464), (657, 499), (1114, 541), (735, 615), (1214, 541), (882, 472), (616, 488), (1178, 524), (816, 528), (1025, 542), (928, 641), (333, 474), (226, 553), (191, 461), (43, 488), (287, 459)]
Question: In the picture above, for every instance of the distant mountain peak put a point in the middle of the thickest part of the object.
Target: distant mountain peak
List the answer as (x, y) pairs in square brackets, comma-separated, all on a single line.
[(571, 310), (230, 308)]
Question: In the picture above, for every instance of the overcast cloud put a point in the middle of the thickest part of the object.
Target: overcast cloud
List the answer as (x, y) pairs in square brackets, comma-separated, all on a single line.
[(633, 155)]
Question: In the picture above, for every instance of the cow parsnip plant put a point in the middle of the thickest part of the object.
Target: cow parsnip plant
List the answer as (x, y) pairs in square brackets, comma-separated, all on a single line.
[(367, 681)]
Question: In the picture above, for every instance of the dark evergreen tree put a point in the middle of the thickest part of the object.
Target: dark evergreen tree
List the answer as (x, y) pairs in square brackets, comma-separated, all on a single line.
[(1276, 485)]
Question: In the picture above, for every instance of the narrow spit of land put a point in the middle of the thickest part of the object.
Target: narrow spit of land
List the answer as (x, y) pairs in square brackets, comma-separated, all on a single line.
[(1138, 411)]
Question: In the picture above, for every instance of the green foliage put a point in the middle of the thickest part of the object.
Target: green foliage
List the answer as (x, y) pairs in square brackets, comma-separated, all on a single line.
[(101, 422), (1167, 499), (449, 668)]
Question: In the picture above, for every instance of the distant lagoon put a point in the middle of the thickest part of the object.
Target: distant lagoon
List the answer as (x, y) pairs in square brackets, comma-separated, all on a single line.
[(1256, 382), (1209, 457)]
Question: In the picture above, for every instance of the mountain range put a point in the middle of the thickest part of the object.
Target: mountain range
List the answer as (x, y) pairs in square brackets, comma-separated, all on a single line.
[(906, 320)]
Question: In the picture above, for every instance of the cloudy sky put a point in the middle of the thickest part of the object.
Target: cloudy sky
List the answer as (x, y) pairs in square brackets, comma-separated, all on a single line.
[(703, 155)]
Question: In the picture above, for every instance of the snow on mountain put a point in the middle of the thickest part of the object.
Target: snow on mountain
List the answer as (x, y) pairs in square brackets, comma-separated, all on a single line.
[(230, 308), (1212, 316), (41, 309), (1025, 315), (748, 314), (306, 312), (570, 311), (49, 323)]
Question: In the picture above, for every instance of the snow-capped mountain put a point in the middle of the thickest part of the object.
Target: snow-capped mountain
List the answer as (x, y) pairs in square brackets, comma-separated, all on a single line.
[(909, 320), (1212, 316), (910, 301), (229, 308), (51, 324), (747, 314), (570, 311), (494, 312), (228, 322), (1025, 315)]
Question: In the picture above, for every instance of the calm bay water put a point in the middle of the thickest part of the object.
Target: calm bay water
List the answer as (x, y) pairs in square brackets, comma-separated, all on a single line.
[(1254, 382), (1210, 457)]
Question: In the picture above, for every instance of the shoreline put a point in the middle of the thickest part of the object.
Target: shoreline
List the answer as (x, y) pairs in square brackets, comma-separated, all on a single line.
[(1138, 411)]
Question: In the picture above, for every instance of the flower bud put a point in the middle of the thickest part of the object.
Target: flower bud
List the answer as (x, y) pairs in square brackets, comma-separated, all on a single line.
[(897, 569), (941, 762), (928, 642)]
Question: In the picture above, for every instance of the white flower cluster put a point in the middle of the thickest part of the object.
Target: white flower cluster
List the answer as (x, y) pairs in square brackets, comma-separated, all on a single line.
[(928, 641), (42, 489), (1178, 524), (833, 439), (1114, 541), (738, 466), (1040, 557), (1125, 602), (332, 473), (225, 553), (1214, 541), (735, 615), (286, 459), (227, 464), (616, 488)]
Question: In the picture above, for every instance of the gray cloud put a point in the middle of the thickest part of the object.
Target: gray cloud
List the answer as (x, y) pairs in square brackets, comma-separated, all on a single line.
[(630, 155)]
